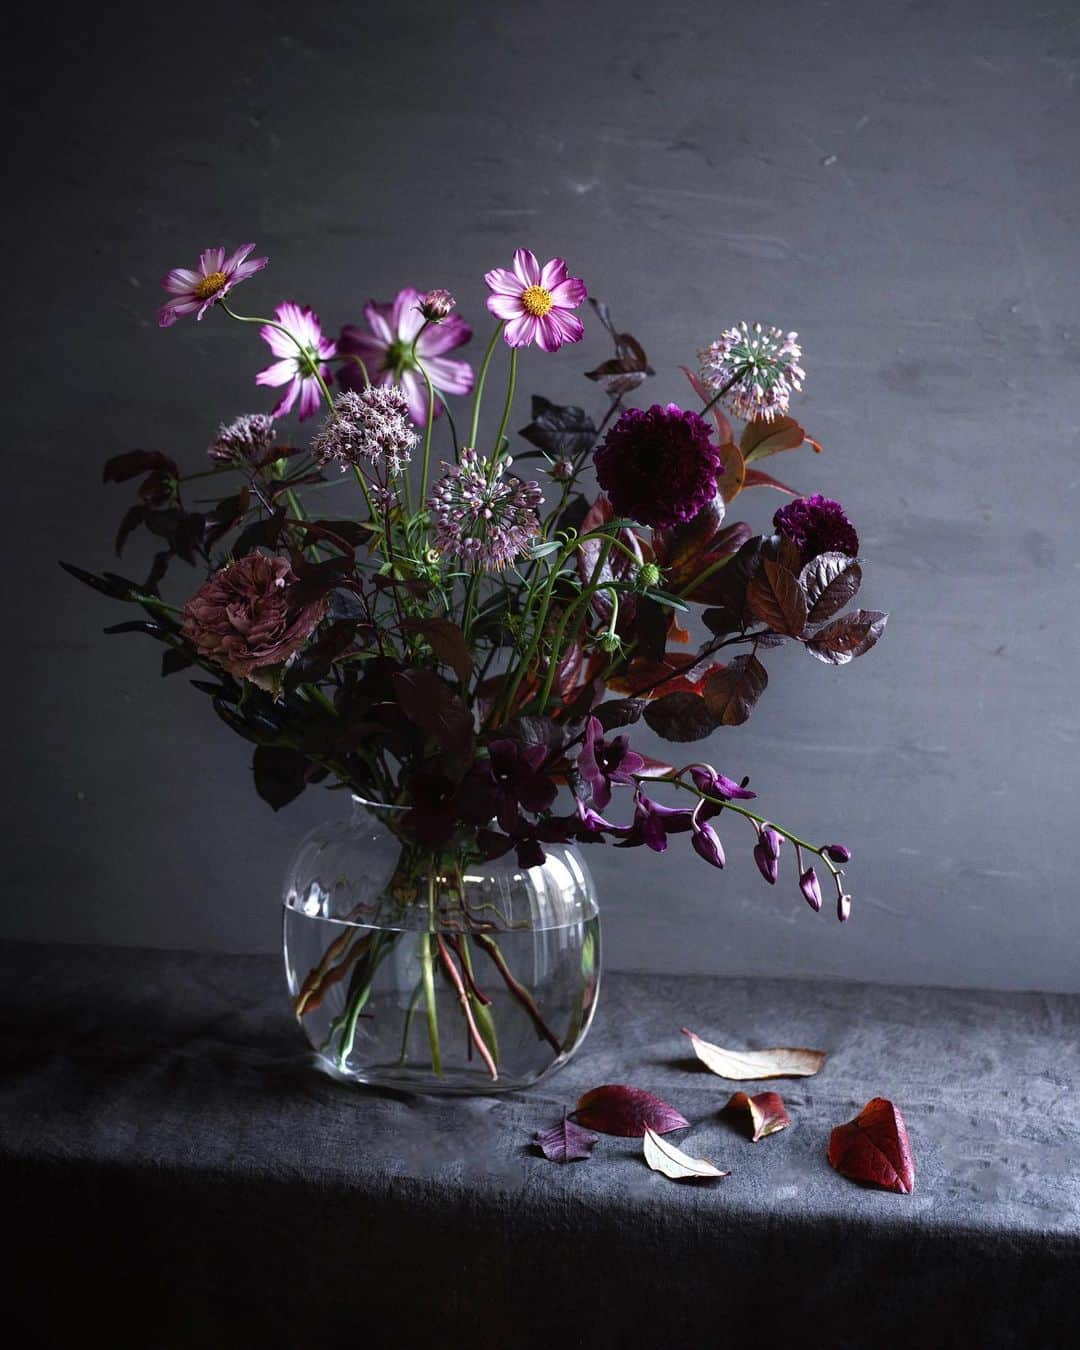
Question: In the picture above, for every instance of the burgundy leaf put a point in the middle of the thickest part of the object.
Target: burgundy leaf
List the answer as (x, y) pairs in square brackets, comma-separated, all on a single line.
[(763, 438), (565, 1142), (122, 467), (620, 712), (874, 1148), (626, 1111), (830, 580), (730, 694), (562, 432), (681, 717), (847, 637), (765, 1112), (448, 643), (777, 599), (430, 703), (723, 426), (755, 478)]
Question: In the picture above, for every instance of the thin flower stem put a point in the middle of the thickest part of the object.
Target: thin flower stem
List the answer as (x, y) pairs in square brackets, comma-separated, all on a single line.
[(477, 398), (511, 385), (727, 387), (491, 947), (466, 1006), (427, 974), (744, 811), (414, 1001), (427, 434)]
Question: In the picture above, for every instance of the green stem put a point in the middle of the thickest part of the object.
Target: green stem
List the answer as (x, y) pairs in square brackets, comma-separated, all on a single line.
[(480, 383), (409, 1013), (427, 975), (750, 815), (511, 385)]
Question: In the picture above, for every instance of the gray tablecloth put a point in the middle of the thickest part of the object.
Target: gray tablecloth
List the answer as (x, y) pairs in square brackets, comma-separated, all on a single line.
[(176, 1174)]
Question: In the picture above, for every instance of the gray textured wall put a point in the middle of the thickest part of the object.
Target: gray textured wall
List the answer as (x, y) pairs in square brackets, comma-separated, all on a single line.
[(898, 183)]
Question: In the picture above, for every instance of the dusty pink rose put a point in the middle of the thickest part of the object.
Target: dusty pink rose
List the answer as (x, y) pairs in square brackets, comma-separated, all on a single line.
[(250, 618)]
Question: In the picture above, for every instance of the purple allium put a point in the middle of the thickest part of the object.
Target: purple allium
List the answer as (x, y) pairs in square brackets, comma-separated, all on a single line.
[(811, 889), (767, 853), (536, 302), (244, 440), (658, 465), (372, 425), (301, 357), (763, 362), (602, 762), (437, 305), (193, 291), (719, 784), (817, 525), (480, 516), (388, 356), (707, 844)]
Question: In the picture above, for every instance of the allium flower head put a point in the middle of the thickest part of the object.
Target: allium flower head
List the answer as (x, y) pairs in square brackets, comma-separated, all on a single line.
[(658, 465), (372, 425), (388, 357), (536, 302), (817, 525), (297, 365), (762, 361), (193, 291), (480, 515), (244, 440), (437, 305)]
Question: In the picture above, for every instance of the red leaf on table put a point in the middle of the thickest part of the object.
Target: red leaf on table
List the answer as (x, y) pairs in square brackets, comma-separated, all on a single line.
[(565, 1142), (778, 1062), (766, 1112), (626, 1111), (874, 1148)]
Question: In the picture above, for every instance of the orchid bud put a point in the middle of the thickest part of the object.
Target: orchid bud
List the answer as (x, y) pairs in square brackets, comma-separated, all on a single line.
[(839, 853), (767, 854), (808, 884), (707, 845), (437, 305), (843, 908)]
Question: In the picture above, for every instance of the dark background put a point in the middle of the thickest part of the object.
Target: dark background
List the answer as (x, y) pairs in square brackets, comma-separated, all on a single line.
[(898, 183)]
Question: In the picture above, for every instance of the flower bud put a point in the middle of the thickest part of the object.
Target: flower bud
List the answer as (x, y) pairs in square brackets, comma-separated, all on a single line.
[(808, 884), (707, 845), (843, 908), (839, 853), (437, 305), (649, 574), (609, 642), (562, 470), (767, 854)]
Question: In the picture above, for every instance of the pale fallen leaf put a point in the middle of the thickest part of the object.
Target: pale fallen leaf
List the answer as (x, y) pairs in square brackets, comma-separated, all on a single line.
[(674, 1163), (740, 1065)]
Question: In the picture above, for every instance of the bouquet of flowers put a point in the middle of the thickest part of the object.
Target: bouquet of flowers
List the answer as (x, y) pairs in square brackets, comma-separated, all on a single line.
[(470, 647)]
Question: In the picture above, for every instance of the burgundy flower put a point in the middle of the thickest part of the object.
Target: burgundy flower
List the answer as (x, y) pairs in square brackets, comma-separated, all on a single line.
[(653, 823), (719, 784), (433, 813), (707, 844), (817, 525), (511, 778), (250, 618), (658, 465), (602, 762)]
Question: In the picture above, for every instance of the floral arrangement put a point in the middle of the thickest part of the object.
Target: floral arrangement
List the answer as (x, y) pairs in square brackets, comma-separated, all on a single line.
[(468, 644)]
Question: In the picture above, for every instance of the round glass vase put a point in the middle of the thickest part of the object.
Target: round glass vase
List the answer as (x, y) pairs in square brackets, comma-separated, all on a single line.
[(435, 973)]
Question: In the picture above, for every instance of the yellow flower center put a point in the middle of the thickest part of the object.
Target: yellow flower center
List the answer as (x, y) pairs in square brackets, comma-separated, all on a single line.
[(209, 285), (536, 301)]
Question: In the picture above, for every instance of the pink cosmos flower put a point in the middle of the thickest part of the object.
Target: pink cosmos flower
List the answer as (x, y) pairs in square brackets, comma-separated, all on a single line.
[(536, 302), (194, 292), (387, 352), (297, 366)]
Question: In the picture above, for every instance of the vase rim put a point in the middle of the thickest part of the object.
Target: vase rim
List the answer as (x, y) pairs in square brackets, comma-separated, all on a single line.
[(359, 800)]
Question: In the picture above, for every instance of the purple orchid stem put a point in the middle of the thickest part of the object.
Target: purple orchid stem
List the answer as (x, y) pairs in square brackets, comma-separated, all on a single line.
[(519, 991)]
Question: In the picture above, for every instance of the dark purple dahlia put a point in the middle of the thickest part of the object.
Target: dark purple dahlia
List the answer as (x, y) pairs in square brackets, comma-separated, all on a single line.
[(658, 465), (817, 525)]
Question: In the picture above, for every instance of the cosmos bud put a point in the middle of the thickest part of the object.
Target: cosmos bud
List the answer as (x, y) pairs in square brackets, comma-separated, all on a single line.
[(437, 305)]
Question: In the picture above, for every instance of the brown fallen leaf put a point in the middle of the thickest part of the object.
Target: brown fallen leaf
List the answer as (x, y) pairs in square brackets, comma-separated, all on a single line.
[(674, 1163), (766, 1112), (874, 1148), (740, 1065)]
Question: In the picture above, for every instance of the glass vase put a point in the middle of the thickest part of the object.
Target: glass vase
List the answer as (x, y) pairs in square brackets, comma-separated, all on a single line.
[(432, 972)]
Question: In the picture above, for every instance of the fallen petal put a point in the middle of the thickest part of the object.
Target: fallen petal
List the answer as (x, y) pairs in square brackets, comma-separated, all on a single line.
[(627, 1112), (565, 1142), (674, 1163), (766, 1112), (779, 1062), (874, 1148)]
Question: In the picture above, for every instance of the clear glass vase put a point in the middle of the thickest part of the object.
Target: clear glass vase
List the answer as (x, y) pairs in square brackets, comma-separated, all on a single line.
[(436, 973)]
